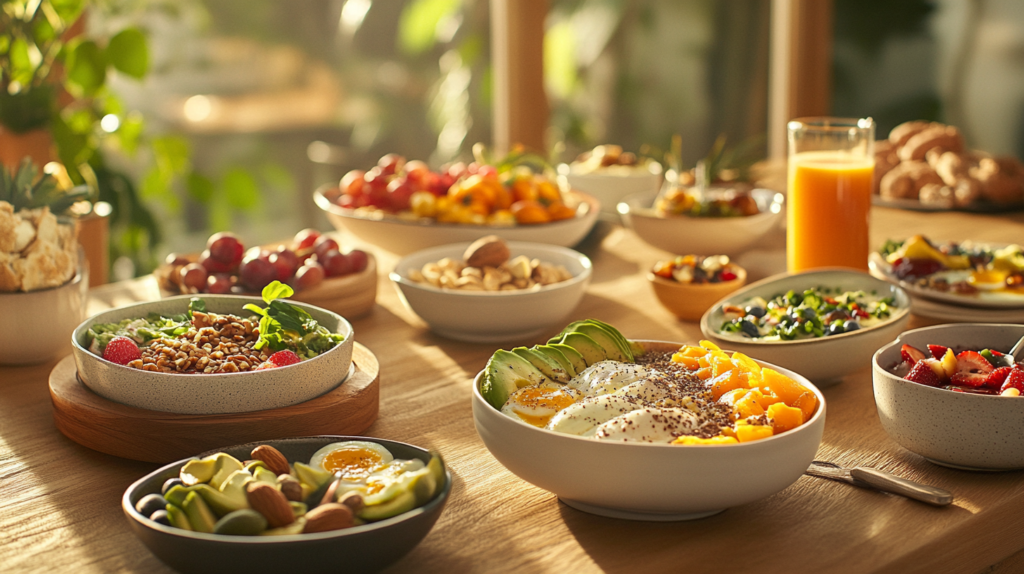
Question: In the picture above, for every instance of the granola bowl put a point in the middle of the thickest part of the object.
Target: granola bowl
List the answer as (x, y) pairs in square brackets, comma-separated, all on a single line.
[(213, 393), (493, 316), (36, 324)]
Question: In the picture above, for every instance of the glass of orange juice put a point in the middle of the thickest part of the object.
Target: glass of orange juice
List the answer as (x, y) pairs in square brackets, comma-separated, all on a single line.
[(831, 166)]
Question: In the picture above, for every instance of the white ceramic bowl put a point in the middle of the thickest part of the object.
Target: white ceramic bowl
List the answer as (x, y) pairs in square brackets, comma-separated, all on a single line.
[(960, 430), (215, 393), (659, 482), (825, 359), (403, 237), (35, 326), (609, 186), (489, 317), (702, 235)]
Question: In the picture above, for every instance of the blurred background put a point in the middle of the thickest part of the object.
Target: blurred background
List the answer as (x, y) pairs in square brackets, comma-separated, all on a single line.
[(246, 106)]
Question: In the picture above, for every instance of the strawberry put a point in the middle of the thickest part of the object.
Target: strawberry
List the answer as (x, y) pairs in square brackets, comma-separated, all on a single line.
[(1014, 380), (910, 354), (284, 358), (923, 374), (937, 350), (996, 378), (968, 379), (265, 365), (121, 350), (971, 361)]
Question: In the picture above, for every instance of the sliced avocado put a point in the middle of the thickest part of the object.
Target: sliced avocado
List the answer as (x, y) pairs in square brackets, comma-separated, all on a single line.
[(177, 493), (505, 372), (265, 475), (610, 345), (200, 517), (558, 356), (177, 517), (572, 355), (624, 344), (298, 508), (591, 351), (402, 503), (436, 467), (551, 368), (226, 466), (314, 477), (196, 471), (245, 522)]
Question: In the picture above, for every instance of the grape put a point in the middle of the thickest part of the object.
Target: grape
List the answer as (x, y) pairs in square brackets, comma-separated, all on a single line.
[(352, 182), (193, 276), (174, 259), (256, 253), (285, 262), (391, 163), (225, 247), (219, 283), (306, 238), (399, 191), (359, 260), (309, 275), (213, 265), (323, 245), (336, 263), (256, 273)]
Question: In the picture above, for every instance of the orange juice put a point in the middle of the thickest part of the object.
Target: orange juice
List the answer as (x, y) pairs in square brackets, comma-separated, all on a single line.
[(827, 219)]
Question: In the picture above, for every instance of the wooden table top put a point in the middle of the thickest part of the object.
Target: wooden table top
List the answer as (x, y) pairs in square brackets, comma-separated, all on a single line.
[(60, 509)]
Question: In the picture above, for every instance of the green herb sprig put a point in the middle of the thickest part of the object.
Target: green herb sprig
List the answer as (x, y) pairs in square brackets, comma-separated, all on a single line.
[(278, 318)]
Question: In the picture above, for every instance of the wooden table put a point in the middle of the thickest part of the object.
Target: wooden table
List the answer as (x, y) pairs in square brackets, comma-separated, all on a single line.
[(60, 502)]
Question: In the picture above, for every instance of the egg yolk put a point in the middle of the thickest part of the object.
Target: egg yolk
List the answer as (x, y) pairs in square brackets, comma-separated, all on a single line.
[(352, 462), (989, 279), (532, 400)]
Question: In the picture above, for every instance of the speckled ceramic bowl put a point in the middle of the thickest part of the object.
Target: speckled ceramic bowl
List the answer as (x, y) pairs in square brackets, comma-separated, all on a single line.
[(216, 393), (366, 548), (960, 430)]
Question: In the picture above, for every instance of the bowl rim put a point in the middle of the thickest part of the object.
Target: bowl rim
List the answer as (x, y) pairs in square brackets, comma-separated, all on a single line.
[(625, 207), (819, 413), (877, 368), (583, 276), (902, 311), (79, 331), (592, 210), (438, 499)]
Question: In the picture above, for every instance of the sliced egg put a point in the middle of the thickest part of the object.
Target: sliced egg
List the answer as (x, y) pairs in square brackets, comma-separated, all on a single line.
[(536, 404), (606, 377), (354, 459), (988, 280), (583, 418), (648, 425)]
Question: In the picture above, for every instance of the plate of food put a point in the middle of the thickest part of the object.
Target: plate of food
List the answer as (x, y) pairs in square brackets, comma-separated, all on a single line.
[(965, 274), (683, 425)]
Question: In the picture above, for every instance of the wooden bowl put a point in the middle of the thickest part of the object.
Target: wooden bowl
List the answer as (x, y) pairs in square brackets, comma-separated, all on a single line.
[(689, 301)]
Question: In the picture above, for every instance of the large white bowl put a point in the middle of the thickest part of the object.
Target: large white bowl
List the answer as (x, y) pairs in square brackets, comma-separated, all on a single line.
[(493, 316), (960, 430), (640, 481), (214, 393), (609, 186), (702, 235), (825, 359), (34, 326), (403, 237)]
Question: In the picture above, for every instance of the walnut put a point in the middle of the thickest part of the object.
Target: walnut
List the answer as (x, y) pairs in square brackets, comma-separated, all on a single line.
[(906, 180)]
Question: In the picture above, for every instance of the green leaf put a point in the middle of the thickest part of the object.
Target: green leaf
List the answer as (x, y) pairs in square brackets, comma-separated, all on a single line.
[(21, 63), (87, 67), (417, 26), (277, 290), (129, 53), (240, 189), (196, 304), (199, 187), (255, 309)]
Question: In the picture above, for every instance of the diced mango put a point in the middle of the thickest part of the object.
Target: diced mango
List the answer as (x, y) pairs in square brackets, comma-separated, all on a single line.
[(732, 397), (692, 440), (721, 364), (782, 386), (691, 351), (726, 382), (768, 399), (729, 432), (688, 362), (748, 405), (709, 346), (704, 362), (746, 363), (748, 433), (807, 403), (784, 417), (703, 373)]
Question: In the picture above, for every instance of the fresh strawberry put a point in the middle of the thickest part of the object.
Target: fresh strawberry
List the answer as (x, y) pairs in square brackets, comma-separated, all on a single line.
[(996, 378), (973, 362), (121, 350), (284, 358), (923, 374), (265, 365), (937, 350), (1014, 380), (911, 354), (967, 379)]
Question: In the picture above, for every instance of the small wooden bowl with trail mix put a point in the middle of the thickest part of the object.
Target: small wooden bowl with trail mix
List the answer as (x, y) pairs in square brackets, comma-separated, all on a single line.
[(214, 354), (688, 285)]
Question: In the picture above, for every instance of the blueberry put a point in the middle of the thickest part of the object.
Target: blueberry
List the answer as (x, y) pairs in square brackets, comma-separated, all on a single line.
[(793, 318), (808, 313), (749, 329), (851, 326), (169, 484), (150, 503), (836, 328), (756, 311), (161, 517)]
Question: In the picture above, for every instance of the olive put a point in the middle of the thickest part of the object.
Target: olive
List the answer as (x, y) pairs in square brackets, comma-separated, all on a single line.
[(836, 328), (161, 517), (169, 483), (749, 329), (851, 326), (150, 503), (756, 311)]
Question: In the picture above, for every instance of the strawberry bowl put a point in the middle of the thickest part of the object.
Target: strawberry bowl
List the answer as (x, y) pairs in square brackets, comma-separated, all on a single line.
[(957, 429)]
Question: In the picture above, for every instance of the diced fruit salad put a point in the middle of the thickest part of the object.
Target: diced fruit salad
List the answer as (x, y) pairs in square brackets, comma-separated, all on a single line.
[(197, 342), (714, 203), (960, 268), (590, 381), (986, 372), (517, 190), (345, 484), (696, 269), (815, 312)]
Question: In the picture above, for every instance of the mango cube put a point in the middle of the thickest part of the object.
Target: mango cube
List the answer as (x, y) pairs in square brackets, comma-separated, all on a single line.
[(748, 433), (692, 440), (785, 417)]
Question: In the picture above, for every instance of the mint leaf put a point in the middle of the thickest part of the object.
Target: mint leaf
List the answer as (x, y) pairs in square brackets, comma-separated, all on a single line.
[(277, 290)]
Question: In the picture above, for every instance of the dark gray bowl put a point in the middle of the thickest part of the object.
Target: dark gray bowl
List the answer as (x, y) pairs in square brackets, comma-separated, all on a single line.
[(365, 548)]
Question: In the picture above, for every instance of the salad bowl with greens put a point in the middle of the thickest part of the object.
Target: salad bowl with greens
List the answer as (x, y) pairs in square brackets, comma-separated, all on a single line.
[(214, 354)]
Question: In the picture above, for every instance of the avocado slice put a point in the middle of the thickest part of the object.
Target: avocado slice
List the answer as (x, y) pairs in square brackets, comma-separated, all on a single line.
[(551, 368), (624, 343), (177, 517), (591, 351), (558, 356), (572, 355), (177, 493), (404, 502), (607, 342), (505, 372), (200, 517)]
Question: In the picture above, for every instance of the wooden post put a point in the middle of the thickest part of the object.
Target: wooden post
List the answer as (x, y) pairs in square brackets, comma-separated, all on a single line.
[(517, 47)]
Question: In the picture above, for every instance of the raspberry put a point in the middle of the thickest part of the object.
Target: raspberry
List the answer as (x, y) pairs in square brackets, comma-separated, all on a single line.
[(121, 350), (284, 358)]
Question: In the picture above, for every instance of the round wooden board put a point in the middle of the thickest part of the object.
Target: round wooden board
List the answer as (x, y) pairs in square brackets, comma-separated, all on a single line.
[(154, 436)]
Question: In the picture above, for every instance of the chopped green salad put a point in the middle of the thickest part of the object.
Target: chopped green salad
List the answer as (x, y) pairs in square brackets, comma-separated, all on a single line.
[(816, 312)]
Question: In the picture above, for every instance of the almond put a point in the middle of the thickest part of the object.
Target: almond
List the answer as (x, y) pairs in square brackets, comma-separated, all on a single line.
[(327, 517), (269, 502), (489, 251), (271, 457), (353, 500), (290, 488)]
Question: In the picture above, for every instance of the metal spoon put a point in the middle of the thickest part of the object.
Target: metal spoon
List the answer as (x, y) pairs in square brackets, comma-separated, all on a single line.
[(873, 478), (1015, 351)]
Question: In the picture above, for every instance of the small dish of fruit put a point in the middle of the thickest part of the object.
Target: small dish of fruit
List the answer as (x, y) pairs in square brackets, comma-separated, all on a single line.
[(688, 285), (979, 371)]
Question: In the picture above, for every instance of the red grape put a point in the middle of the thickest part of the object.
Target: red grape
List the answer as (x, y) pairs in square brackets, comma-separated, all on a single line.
[(175, 259), (219, 283), (359, 260), (352, 182), (306, 238), (399, 191), (336, 263), (323, 245), (309, 275), (256, 273), (391, 163), (213, 265), (285, 262), (193, 276), (225, 247), (256, 253), (416, 170)]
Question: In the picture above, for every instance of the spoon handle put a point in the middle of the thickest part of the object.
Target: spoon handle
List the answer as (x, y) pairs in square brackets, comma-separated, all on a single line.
[(891, 483)]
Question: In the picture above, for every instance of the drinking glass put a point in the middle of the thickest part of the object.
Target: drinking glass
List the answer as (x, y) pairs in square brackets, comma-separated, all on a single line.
[(831, 170)]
